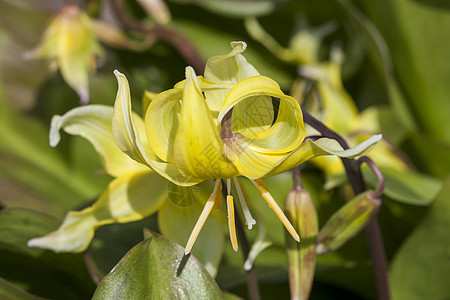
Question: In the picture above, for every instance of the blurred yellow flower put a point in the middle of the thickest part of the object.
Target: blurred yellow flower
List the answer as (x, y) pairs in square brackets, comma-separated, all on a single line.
[(71, 43)]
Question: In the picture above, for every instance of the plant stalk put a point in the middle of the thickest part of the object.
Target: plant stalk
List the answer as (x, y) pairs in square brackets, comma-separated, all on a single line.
[(373, 233)]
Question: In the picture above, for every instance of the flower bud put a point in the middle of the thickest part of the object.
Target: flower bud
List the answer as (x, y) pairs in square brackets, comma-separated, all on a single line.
[(157, 9), (347, 222), (301, 211), (71, 43)]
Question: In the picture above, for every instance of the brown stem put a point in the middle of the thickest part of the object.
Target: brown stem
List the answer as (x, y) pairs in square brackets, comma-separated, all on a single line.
[(380, 188), (373, 234), (162, 33)]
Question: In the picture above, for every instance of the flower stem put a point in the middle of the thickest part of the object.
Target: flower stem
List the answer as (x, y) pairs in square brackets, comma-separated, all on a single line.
[(373, 233), (252, 279), (163, 33)]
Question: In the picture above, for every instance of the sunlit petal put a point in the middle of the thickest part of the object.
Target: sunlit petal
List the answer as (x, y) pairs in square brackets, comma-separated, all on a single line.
[(128, 198), (93, 123), (161, 123), (129, 134), (232, 67), (198, 148), (323, 146)]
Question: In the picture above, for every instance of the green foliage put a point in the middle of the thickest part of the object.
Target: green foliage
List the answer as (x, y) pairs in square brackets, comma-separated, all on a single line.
[(396, 61), (158, 269), (421, 267)]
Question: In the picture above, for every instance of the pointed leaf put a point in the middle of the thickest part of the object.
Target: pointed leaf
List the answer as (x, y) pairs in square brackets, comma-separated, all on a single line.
[(158, 269)]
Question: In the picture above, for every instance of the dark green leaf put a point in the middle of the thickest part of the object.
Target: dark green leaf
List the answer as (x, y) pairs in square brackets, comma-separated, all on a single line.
[(39, 271), (407, 187), (421, 267)]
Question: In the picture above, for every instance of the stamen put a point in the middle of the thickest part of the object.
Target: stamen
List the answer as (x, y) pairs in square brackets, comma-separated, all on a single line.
[(202, 219), (262, 189), (218, 197), (247, 215), (229, 186), (231, 222)]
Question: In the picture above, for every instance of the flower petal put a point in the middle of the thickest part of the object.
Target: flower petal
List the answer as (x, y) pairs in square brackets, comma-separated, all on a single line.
[(198, 148), (323, 146), (93, 122), (161, 123), (126, 199), (286, 134), (129, 135), (177, 222), (232, 67)]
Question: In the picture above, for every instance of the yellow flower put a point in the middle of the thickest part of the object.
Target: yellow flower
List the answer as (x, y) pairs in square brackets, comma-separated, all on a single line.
[(231, 122), (71, 43), (339, 112)]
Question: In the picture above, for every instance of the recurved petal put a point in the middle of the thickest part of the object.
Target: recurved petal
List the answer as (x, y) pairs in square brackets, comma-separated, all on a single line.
[(93, 122), (129, 135), (198, 149), (130, 197), (285, 135), (323, 146), (161, 123), (232, 67)]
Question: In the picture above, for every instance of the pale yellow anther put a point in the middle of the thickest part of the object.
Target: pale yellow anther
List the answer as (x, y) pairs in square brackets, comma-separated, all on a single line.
[(202, 219), (262, 189)]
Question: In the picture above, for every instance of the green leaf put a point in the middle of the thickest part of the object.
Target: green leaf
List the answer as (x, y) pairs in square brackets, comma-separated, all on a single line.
[(9, 291), (407, 187), (416, 33), (421, 268), (240, 8), (379, 53), (36, 270), (429, 154), (158, 269)]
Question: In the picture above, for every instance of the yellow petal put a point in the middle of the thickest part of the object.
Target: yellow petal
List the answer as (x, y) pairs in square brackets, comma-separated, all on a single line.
[(232, 67), (93, 122), (323, 146), (74, 46), (161, 123), (257, 145), (285, 134), (128, 198), (147, 99), (129, 135), (198, 149)]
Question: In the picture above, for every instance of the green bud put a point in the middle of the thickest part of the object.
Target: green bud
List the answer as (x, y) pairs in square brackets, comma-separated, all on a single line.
[(347, 222), (301, 211)]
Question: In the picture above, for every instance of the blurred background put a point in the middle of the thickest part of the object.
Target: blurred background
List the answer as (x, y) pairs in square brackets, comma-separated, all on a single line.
[(393, 77)]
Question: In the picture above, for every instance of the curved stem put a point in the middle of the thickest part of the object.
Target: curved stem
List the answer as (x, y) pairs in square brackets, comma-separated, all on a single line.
[(380, 188), (373, 234), (162, 33)]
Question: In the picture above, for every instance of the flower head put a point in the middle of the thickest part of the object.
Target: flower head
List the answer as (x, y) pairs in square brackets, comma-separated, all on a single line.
[(71, 43), (231, 122)]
